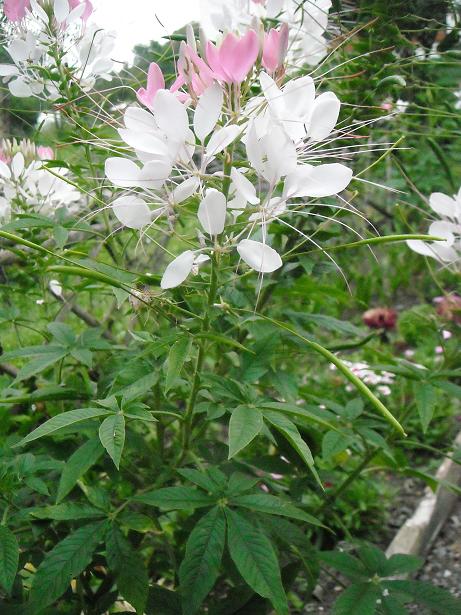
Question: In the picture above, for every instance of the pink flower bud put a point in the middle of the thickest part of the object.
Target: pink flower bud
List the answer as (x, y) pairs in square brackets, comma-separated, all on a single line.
[(88, 7), (275, 48), (45, 153), (155, 82), (234, 58)]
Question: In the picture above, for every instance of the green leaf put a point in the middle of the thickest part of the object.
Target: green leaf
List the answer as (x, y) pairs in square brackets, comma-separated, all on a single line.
[(176, 498), (199, 478), (401, 564), (64, 562), (244, 425), (135, 521), (162, 601), (76, 466), (435, 598), (131, 574), (359, 599), (112, 436), (256, 561), (272, 505), (391, 606), (177, 356), (63, 420), (335, 442), (40, 364), (200, 566), (425, 398), (291, 433), (373, 559), (9, 558), (68, 512), (346, 564), (62, 334)]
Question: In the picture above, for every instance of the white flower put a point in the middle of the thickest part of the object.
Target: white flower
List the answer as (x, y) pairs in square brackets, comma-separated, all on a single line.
[(448, 229)]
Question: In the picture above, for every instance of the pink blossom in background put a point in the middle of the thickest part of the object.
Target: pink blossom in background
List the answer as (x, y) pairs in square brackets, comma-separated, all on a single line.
[(155, 82), (15, 10), (45, 153), (234, 58), (446, 334), (439, 350), (88, 7), (275, 48)]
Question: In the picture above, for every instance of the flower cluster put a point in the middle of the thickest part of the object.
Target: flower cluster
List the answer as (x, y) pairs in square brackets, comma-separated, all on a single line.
[(241, 156), (25, 184), (448, 229), (51, 45), (307, 22), (379, 379)]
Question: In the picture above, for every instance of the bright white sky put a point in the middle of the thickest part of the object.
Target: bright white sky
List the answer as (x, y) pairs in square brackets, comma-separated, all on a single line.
[(135, 20)]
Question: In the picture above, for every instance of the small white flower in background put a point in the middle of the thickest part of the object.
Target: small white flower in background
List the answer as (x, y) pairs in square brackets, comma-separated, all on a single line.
[(448, 228), (43, 36), (25, 185), (380, 379), (55, 287)]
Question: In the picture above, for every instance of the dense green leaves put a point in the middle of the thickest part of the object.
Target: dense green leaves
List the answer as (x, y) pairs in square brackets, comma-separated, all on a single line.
[(271, 505), (359, 599), (244, 425), (64, 562), (255, 559), (9, 558), (200, 566), (128, 565)]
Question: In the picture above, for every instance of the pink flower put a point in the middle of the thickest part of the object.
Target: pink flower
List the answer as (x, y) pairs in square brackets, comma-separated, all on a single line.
[(438, 349), (88, 7), (155, 82), (192, 71), (235, 57), (15, 10), (45, 153), (446, 334), (275, 48)]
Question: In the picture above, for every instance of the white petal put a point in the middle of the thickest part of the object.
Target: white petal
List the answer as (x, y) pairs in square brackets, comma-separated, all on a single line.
[(4, 170), (319, 181), (212, 212), (76, 13), (272, 94), (170, 115), (7, 70), (244, 187), (132, 211), (19, 50), (280, 154), (201, 258), (122, 172), (221, 139), (443, 204), (443, 230), (17, 164), (154, 174), (145, 142), (208, 111), (61, 10), (178, 270), (139, 119), (324, 116), (259, 256), (185, 190), (299, 97), (20, 88)]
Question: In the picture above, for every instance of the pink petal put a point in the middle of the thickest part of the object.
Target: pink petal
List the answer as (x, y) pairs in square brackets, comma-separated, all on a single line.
[(155, 82), (15, 10)]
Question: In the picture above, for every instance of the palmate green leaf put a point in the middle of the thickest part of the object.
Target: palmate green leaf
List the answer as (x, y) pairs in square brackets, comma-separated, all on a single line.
[(244, 425), (401, 564), (255, 559), (112, 436), (64, 562), (201, 479), (177, 356), (63, 420), (76, 466), (200, 566), (272, 505), (358, 599), (335, 442), (425, 398), (391, 606), (176, 498), (68, 512), (345, 563), (435, 598), (299, 411), (9, 558), (128, 566)]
